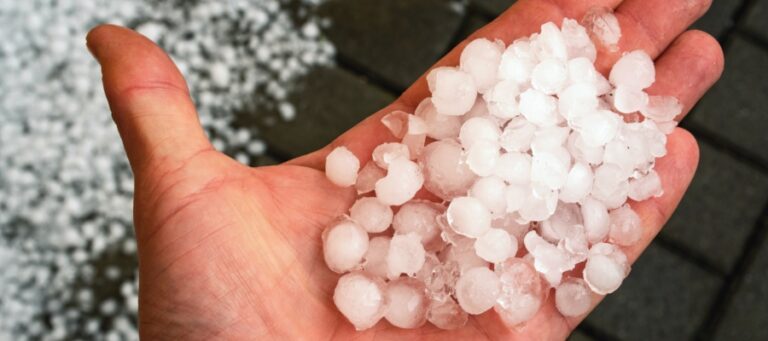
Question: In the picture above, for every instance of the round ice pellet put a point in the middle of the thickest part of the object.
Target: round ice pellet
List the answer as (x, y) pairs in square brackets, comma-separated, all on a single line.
[(606, 268), (468, 216), (453, 90), (491, 191), (626, 227), (371, 214), (361, 299), (521, 292), (477, 290), (446, 174), (344, 245), (406, 255), (446, 314), (495, 246), (375, 261), (403, 180), (634, 70), (419, 217), (408, 303), (480, 59), (341, 167), (573, 297), (596, 219)]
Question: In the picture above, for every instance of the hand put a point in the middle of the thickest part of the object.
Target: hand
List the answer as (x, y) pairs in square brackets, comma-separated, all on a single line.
[(232, 252)]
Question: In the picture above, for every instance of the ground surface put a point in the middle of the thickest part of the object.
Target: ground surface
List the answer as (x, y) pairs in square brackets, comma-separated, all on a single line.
[(704, 277)]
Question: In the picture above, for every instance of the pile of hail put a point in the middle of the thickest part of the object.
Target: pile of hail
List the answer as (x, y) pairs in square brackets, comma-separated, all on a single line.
[(527, 157)]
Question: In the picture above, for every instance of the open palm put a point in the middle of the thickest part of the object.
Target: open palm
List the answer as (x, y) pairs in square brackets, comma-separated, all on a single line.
[(232, 252)]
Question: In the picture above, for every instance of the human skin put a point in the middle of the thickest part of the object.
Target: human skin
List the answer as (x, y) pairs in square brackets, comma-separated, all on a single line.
[(228, 251)]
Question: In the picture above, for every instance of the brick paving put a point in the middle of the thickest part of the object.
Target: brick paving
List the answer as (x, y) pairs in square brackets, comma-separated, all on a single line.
[(704, 277)]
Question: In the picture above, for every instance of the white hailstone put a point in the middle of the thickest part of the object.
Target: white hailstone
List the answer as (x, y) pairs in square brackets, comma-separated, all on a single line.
[(578, 41), (628, 100), (408, 303), (538, 205), (626, 227), (480, 59), (502, 99), (514, 168), (578, 184), (548, 170), (549, 76), (549, 139), (406, 255), (645, 187), (385, 153), (538, 108), (634, 70), (375, 259), (583, 152), (517, 135), (510, 224), (581, 70), (662, 108), (603, 25), (491, 191), (368, 176), (577, 100), (606, 268), (565, 219), (419, 217), (516, 196), (521, 291), (482, 157), (477, 290), (361, 299), (403, 180), (445, 173), (479, 109), (550, 43), (341, 167), (462, 253), (344, 245), (667, 127), (610, 186), (495, 246), (573, 297), (478, 129), (371, 214), (220, 75), (596, 219), (453, 90), (517, 62), (396, 122), (598, 127), (468, 216), (438, 126), (447, 314), (549, 260)]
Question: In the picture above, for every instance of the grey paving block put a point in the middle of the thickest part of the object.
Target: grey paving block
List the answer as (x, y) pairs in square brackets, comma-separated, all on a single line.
[(473, 23), (397, 40), (328, 102), (737, 108), (719, 18), (747, 314), (757, 18), (664, 298), (579, 336), (720, 207), (494, 7)]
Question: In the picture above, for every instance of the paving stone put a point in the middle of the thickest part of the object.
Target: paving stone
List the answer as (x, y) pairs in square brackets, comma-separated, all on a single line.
[(473, 23), (579, 336), (719, 17), (756, 18), (494, 7), (328, 102), (736, 108), (396, 40), (664, 298), (747, 314), (720, 207)]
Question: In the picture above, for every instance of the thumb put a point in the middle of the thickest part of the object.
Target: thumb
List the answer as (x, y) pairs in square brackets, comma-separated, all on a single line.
[(149, 100)]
